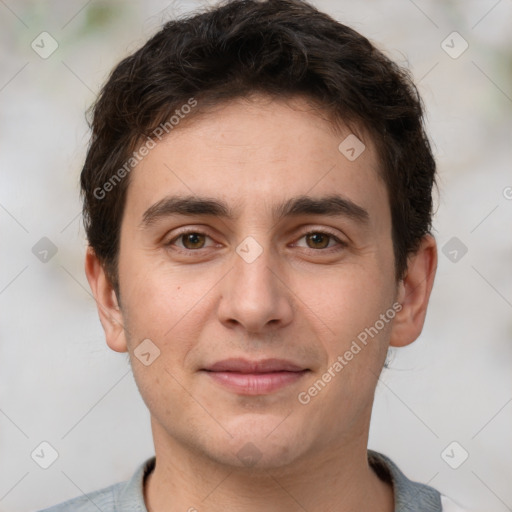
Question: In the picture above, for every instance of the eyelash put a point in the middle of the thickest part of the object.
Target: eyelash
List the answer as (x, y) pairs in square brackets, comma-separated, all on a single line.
[(341, 244)]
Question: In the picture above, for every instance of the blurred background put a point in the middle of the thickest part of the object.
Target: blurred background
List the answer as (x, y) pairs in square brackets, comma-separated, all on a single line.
[(443, 410)]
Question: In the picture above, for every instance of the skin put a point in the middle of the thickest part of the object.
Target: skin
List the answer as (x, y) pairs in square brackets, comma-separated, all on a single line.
[(298, 301)]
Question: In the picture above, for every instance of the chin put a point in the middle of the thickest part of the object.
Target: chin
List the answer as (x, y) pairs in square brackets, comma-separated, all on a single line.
[(260, 442)]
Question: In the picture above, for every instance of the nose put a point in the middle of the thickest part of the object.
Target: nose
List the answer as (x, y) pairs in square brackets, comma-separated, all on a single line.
[(255, 295)]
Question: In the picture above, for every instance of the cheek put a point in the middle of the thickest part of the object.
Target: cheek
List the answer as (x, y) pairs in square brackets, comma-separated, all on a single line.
[(354, 297), (166, 305), (351, 307)]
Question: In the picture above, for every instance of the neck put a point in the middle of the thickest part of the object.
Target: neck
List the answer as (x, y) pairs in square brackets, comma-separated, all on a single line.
[(340, 480)]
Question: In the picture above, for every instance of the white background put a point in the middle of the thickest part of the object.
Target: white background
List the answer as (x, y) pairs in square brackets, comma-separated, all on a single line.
[(61, 384)]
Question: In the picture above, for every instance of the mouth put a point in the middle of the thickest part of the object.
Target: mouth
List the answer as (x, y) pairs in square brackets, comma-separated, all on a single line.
[(246, 377)]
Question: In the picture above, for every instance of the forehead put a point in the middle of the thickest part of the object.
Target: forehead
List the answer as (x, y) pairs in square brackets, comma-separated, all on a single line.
[(254, 152)]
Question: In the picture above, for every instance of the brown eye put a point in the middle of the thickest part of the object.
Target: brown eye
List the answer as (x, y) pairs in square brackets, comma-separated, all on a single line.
[(190, 243), (192, 240), (318, 240), (321, 241)]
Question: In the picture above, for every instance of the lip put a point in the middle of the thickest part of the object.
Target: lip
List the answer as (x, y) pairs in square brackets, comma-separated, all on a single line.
[(241, 365), (255, 377)]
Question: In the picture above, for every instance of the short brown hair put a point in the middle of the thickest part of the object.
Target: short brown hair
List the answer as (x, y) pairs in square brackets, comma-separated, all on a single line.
[(278, 47)]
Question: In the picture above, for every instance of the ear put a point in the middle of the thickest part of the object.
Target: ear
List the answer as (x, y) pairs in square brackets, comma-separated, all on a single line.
[(414, 293), (106, 301)]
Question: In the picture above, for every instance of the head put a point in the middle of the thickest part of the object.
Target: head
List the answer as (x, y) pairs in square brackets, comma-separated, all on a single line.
[(293, 153)]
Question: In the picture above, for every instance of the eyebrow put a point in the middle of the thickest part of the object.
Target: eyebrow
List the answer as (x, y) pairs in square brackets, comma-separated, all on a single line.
[(332, 205)]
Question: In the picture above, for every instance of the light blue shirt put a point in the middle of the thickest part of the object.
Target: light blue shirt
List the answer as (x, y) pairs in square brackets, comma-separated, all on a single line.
[(129, 496)]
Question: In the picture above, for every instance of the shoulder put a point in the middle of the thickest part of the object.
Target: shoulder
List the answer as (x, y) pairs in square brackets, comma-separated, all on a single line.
[(409, 495), (451, 506), (102, 499), (120, 497)]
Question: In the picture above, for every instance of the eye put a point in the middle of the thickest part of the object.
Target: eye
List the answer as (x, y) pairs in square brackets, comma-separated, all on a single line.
[(315, 240), (318, 240), (191, 240)]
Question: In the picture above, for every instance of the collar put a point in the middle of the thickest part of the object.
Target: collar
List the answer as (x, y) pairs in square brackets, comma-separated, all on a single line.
[(410, 496)]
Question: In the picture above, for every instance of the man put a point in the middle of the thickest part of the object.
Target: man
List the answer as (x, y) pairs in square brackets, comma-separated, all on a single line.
[(257, 200)]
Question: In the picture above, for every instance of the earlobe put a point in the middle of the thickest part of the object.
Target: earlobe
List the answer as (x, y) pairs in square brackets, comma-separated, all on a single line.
[(414, 293), (106, 301)]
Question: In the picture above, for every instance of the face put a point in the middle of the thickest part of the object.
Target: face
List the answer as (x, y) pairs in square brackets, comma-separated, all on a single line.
[(256, 303)]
